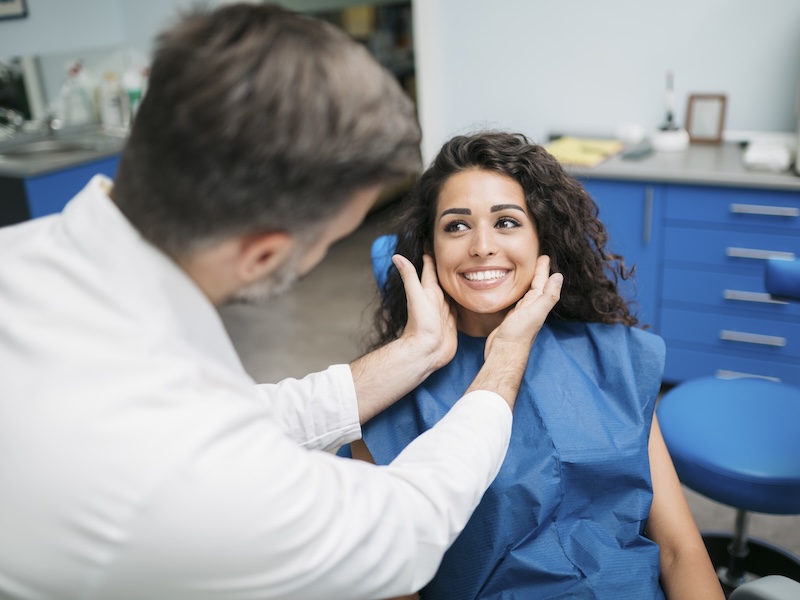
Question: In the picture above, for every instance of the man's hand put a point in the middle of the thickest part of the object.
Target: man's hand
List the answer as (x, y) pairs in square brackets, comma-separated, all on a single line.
[(508, 347), (431, 325), (523, 322), (428, 343)]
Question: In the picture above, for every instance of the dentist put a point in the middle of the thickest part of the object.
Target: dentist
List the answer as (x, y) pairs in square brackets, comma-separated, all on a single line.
[(138, 460)]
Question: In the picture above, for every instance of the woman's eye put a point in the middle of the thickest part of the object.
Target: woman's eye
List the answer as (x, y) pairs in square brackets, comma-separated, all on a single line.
[(455, 226), (507, 223)]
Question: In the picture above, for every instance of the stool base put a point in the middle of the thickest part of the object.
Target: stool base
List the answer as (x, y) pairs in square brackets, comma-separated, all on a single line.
[(762, 559)]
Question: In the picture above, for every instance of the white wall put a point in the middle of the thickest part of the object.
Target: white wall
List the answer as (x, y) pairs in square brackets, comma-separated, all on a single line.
[(144, 19), (55, 26), (586, 66)]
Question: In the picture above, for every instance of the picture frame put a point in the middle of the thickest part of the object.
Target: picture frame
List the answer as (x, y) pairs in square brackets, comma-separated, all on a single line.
[(13, 9), (705, 118)]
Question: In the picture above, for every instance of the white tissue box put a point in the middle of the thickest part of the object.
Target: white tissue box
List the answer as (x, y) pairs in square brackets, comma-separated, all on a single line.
[(768, 156)]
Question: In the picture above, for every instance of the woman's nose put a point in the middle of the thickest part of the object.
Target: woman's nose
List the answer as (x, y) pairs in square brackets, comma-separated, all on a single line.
[(483, 243)]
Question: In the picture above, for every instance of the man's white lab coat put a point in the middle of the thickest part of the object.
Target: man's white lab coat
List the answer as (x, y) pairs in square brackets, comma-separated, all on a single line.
[(139, 460)]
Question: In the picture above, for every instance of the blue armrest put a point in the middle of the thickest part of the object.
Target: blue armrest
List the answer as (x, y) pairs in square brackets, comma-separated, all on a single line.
[(782, 278)]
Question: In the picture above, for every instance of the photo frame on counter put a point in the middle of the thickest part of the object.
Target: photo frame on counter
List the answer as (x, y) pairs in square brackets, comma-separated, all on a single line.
[(705, 118), (13, 9)]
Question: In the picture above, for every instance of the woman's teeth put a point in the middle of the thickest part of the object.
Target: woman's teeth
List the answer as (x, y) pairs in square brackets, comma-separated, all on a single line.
[(484, 275)]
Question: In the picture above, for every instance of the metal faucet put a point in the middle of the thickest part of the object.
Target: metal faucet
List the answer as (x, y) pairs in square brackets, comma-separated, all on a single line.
[(50, 123)]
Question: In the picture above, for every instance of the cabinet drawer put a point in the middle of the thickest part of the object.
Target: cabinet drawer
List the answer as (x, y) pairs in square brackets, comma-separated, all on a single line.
[(685, 363), (767, 338), (733, 206), (747, 250), (724, 292)]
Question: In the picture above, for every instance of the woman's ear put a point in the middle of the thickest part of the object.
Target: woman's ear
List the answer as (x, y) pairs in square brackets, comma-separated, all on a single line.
[(261, 254)]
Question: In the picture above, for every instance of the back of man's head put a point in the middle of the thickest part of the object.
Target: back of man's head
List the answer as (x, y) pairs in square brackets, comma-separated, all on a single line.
[(258, 119)]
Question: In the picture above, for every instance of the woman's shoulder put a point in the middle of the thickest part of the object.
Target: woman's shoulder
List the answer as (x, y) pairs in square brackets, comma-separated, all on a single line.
[(603, 334), (644, 351)]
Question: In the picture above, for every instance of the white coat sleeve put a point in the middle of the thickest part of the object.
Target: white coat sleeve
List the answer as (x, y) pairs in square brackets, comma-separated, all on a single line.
[(319, 411), (255, 516)]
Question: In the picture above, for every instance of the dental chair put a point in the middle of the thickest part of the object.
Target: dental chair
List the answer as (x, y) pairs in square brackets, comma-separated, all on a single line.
[(736, 442)]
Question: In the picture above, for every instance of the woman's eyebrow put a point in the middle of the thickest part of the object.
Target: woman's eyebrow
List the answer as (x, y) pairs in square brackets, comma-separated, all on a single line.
[(498, 207), (455, 211)]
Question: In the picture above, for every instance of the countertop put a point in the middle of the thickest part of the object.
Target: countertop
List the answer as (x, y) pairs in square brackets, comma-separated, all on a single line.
[(718, 165), (100, 144), (699, 164)]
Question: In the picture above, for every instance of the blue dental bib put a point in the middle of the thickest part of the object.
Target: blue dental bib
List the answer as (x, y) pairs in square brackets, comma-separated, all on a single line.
[(566, 515)]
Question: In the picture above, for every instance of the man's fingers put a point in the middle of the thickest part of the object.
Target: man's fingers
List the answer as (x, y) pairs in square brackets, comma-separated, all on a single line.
[(408, 273), (405, 268), (552, 288), (429, 277), (541, 272)]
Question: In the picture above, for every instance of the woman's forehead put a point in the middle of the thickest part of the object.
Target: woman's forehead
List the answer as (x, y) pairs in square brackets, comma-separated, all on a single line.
[(480, 189)]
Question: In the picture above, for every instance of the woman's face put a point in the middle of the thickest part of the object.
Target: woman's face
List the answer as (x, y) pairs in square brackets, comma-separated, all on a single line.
[(485, 244)]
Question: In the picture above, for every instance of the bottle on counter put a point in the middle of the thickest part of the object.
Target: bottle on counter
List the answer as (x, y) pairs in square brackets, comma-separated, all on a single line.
[(76, 98), (133, 84), (113, 103)]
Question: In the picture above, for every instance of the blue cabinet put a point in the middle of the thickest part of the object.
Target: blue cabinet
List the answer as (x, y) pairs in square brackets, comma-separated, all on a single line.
[(631, 213), (700, 252), (30, 197), (48, 193), (717, 318)]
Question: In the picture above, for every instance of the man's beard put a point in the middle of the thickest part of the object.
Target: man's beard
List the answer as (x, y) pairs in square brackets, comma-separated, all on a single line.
[(275, 284)]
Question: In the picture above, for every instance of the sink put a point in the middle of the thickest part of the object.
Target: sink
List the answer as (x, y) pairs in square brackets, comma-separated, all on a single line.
[(49, 147), (29, 153)]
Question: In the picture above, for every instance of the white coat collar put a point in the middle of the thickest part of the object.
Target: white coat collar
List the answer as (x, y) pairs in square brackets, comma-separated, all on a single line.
[(145, 283)]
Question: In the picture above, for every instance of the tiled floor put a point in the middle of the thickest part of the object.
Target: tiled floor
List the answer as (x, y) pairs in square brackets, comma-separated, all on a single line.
[(324, 320)]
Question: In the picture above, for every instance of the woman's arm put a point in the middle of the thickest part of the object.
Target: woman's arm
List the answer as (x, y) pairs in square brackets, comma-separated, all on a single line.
[(686, 570)]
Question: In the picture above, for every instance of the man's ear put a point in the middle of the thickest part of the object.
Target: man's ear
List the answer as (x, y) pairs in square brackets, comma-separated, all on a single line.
[(261, 254)]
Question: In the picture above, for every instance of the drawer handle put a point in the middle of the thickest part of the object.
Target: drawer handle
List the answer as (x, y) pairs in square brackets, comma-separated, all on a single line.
[(752, 338), (771, 211), (759, 254), (647, 225), (725, 374), (745, 296)]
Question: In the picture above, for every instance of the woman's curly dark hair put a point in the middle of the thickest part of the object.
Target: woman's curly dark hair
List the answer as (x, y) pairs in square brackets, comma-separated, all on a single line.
[(565, 217)]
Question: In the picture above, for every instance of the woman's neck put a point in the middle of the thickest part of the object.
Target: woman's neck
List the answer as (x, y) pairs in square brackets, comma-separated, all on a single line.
[(478, 324)]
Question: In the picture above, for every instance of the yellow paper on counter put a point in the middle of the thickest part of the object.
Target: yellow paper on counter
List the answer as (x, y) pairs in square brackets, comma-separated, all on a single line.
[(583, 152)]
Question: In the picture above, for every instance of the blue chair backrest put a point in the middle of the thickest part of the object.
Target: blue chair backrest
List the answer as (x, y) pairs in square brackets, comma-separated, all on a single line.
[(381, 253)]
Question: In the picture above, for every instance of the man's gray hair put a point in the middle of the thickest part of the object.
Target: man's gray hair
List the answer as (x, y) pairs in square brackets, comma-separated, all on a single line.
[(259, 119)]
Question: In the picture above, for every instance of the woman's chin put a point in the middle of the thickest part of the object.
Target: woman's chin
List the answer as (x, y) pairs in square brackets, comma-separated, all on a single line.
[(489, 306)]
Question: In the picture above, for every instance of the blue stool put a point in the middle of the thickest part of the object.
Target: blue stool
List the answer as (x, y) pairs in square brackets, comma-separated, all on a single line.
[(737, 442)]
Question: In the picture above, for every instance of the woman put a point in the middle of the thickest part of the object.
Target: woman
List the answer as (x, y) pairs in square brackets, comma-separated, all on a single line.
[(587, 504)]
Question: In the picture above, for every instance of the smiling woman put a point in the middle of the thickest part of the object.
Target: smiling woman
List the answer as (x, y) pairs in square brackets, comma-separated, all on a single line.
[(506, 169), (587, 503)]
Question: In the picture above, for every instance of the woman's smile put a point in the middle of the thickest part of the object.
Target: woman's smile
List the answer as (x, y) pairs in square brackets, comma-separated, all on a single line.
[(484, 278)]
